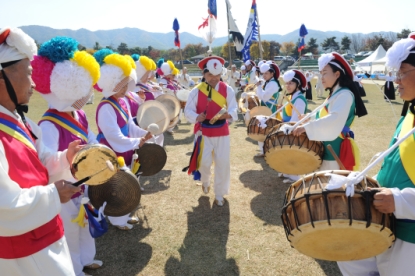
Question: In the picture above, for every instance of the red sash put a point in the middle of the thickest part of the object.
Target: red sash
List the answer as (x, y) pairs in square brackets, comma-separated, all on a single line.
[(212, 108)]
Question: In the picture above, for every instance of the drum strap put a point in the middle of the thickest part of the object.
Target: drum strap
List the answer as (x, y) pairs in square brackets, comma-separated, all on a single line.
[(67, 122), (16, 130), (218, 98), (407, 148)]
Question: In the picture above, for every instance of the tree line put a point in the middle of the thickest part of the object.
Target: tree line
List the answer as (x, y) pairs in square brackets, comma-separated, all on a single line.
[(354, 43)]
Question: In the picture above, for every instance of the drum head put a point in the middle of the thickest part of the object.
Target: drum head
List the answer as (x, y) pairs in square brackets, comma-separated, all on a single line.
[(91, 159), (183, 95), (152, 159), (122, 194), (290, 159), (341, 242), (171, 103), (153, 112)]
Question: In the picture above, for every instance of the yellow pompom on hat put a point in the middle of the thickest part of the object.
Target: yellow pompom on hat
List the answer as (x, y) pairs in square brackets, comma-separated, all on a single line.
[(143, 65), (116, 72)]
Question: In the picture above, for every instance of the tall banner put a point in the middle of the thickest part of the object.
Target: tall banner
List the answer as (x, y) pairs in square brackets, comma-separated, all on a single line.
[(251, 33), (208, 28), (303, 33), (237, 37)]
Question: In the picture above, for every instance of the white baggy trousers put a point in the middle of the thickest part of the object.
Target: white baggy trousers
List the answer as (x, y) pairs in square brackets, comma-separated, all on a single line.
[(216, 149)]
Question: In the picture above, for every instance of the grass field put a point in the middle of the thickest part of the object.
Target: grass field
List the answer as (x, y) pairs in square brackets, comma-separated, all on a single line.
[(183, 233)]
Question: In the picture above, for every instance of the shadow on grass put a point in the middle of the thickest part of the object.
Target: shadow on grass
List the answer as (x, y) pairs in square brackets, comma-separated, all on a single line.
[(268, 204), (156, 183), (204, 248), (170, 140), (251, 140), (122, 252)]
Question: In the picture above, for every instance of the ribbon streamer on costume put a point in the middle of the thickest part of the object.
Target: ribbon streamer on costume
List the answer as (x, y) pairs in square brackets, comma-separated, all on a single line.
[(80, 219), (337, 181), (196, 157)]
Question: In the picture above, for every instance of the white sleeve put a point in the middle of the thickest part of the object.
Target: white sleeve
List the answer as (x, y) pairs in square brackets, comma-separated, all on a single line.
[(232, 105), (190, 108), (266, 94), (300, 105), (92, 138), (22, 210), (404, 203), (252, 77), (107, 123), (54, 161), (52, 137), (330, 126), (134, 130)]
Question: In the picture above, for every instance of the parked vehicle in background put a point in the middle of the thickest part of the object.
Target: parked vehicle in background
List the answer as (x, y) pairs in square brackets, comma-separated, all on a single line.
[(186, 61), (277, 58), (360, 54), (348, 56), (289, 58)]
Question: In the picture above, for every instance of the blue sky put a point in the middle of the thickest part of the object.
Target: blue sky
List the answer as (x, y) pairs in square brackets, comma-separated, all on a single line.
[(276, 17)]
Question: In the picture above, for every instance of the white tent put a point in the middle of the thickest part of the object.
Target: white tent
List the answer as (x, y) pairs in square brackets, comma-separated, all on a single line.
[(376, 58)]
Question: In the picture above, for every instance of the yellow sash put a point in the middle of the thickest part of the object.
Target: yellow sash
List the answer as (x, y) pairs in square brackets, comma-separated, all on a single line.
[(216, 96), (407, 147)]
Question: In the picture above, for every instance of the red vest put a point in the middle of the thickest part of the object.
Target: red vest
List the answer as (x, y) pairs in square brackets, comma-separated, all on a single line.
[(212, 109), (27, 171)]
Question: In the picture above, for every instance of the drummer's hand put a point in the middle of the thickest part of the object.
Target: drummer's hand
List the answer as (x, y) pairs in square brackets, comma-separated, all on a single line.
[(73, 148), (279, 106), (201, 117), (298, 131), (142, 141), (384, 201), (66, 190), (148, 136), (225, 116)]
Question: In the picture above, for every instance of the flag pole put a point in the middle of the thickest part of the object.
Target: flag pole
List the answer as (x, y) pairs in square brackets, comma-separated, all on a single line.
[(299, 59), (181, 58), (259, 33), (229, 39)]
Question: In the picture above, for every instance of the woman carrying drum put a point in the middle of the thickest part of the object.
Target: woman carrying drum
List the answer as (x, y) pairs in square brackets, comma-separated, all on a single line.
[(116, 128), (65, 122), (295, 85), (269, 92), (397, 176), (331, 124)]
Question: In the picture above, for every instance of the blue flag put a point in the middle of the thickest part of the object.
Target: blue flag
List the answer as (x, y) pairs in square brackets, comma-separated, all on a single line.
[(251, 32)]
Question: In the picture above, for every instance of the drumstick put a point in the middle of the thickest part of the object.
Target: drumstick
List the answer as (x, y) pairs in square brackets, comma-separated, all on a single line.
[(310, 114), (295, 109), (109, 166), (278, 110), (339, 162)]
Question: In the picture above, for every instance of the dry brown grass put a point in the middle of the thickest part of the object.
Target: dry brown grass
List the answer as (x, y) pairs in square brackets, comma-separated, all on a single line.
[(183, 233)]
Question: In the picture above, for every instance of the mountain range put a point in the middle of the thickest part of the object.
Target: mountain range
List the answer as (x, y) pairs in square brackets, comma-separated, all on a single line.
[(134, 37)]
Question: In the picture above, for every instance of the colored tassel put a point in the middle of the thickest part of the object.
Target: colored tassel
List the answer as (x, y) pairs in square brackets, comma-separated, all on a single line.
[(80, 219), (346, 154)]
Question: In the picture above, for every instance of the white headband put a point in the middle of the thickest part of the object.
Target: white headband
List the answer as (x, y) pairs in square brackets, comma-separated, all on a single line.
[(399, 51), (18, 45)]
